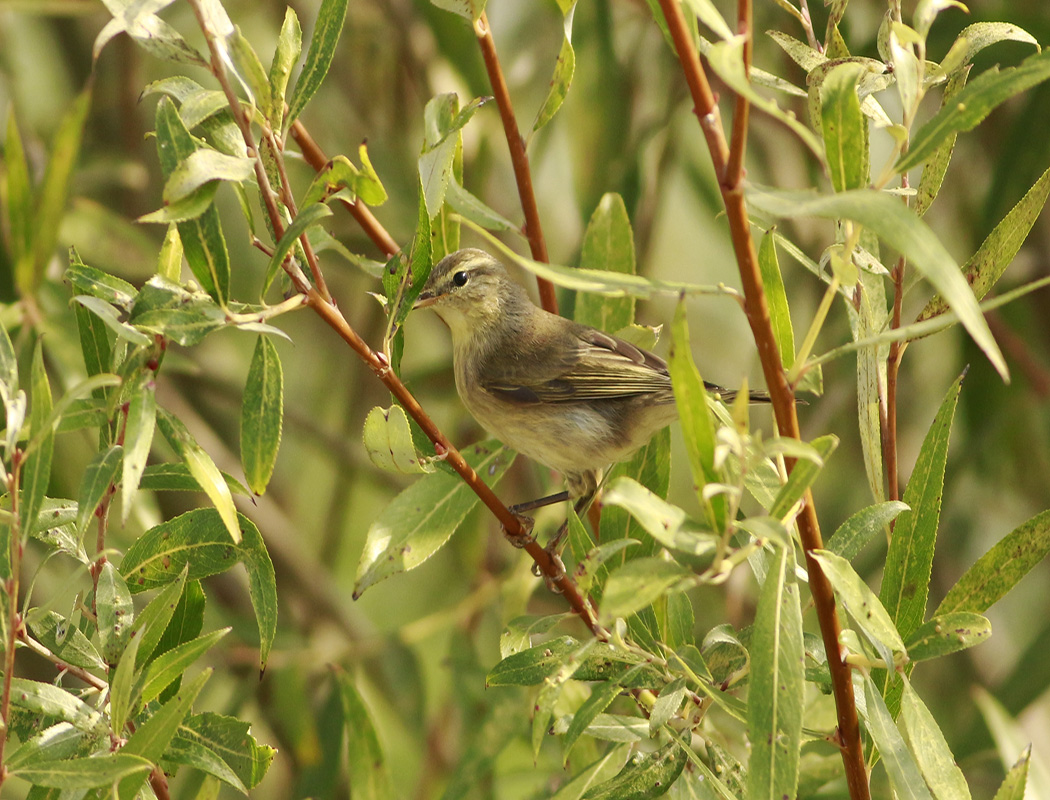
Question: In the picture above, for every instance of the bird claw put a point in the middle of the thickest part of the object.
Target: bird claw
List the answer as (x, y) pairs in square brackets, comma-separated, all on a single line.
[(553, 581), (523, 539)]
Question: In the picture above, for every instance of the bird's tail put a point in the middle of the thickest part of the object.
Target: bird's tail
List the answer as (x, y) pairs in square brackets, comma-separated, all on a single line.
[(729, 395)]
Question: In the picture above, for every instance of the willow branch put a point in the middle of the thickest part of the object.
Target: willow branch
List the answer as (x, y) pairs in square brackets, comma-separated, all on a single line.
[(550, 568), (781, 393), (893, 363), (518, 157), (14, 621)]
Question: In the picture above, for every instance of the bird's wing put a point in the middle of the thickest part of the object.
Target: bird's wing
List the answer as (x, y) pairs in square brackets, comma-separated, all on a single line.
[(598, 367)]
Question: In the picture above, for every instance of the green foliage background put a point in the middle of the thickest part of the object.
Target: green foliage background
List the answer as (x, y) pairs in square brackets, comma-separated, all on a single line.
[(418, 646)]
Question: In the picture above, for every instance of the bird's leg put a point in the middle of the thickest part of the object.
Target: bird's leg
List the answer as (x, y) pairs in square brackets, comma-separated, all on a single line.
[(554, 546), (526, 521)]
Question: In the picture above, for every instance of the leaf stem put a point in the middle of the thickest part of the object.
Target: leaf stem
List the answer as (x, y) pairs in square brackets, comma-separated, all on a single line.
[(781, 393), (518, 157)]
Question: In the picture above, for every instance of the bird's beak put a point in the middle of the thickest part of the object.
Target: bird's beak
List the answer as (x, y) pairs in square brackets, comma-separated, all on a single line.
[(425, 299)]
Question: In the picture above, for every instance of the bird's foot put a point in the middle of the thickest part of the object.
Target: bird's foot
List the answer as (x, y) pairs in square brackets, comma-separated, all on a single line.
[(520, 540)]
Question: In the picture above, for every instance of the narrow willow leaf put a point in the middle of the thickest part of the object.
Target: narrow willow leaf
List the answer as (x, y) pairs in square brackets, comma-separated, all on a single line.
[(603, 662), (776, 296), (83, 773), (19, 194), (341, 174), (153, 620), (777, 684), (845, 128), (862, 527), (202, 239), (262, 586), (930, 749), (650, 466), (470, 10), (550, 692), (388, 441), (608, 244), (326, 34), (203, 736), (171, 664), (57, 742), (52, 701), (99, 477), (697, 423), (898, 225), (594, 773), (443, 121), (1013, 785), (638, 583), (562, 78), (802, 476), (1011, 741), (601, 698), (121, 685), (667, 704), (645, 776), (8, 364), (262, 415), (861, 603), (64, 640), (138, 436), (1001, 568), (421, 519), (936, 165), (289, 47), (947, 633), (36, 474), (471, 207), (668, 524), (369, 772), (909, 561), (110, 317), (309, 216), (905, 777), (177, 478), (997, 251), (975, 37), (95, 282), (250, 70), (186, 209), (973, 104), (201, 167), (202, 468), (115, 613), (153, 736), (54, 192)]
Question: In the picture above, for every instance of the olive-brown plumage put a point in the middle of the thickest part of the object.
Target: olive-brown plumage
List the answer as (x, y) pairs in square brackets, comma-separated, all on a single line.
[(569, 396)]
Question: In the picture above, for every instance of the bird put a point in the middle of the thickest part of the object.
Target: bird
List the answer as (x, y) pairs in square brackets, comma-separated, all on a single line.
[(568, 396)]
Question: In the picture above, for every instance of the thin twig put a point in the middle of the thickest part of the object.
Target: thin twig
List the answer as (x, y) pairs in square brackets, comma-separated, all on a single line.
[(14, 621), (741, 112), (518, 157), (550, 568), (893, 363), (781, 394)]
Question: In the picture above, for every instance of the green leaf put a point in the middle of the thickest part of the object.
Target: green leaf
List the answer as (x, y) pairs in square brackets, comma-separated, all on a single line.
[(226, 738), (121, 685), (169, 666), (1001, 568), (95, 282), (997, 251), (863, 606), (19, 195), (802, 476), (262, 414), (697, 424), (666, 523), (184, 316), (470, 10), (202, 167), (904, 231), (116, 613), (99, 477), (777, 684), (947, 633), (863, 526), (52, 701), (667, 704), (639, 582), (36, 474), (262, 586), (973, 104), (55, 743), (909, 561), (289, 47), (307, 217), (905, 777), (111, 319), (608, 244), (845, 128), (202, 239), (469, 206), (250, 70), (388, 441), (979, 35), (8, 364), (779, 313), (369, 774), (644, 777), (603, 662), (930, 749), (185, 209), (153, 736), (341, 174), (443, 120), (936, 165), (64, 640), (422, 518), (83, 773), (94, 342), (1013, 785), (202, 468), (564, 69), (601, 698), (326, 34), (186, 624), (650, 466), (138, 436), (54, 193), (177, 478)]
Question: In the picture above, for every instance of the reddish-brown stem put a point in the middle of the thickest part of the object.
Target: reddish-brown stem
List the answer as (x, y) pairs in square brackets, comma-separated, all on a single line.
[(14, 622), (518, 157), (378, 364), (316, 158), (893, 362), (782, 395), (742, 110)]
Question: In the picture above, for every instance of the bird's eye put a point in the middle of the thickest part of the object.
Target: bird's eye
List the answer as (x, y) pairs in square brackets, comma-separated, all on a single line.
[(459, 279)]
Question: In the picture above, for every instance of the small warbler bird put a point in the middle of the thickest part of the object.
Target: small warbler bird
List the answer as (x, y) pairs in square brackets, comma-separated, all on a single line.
[(569, 396)]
